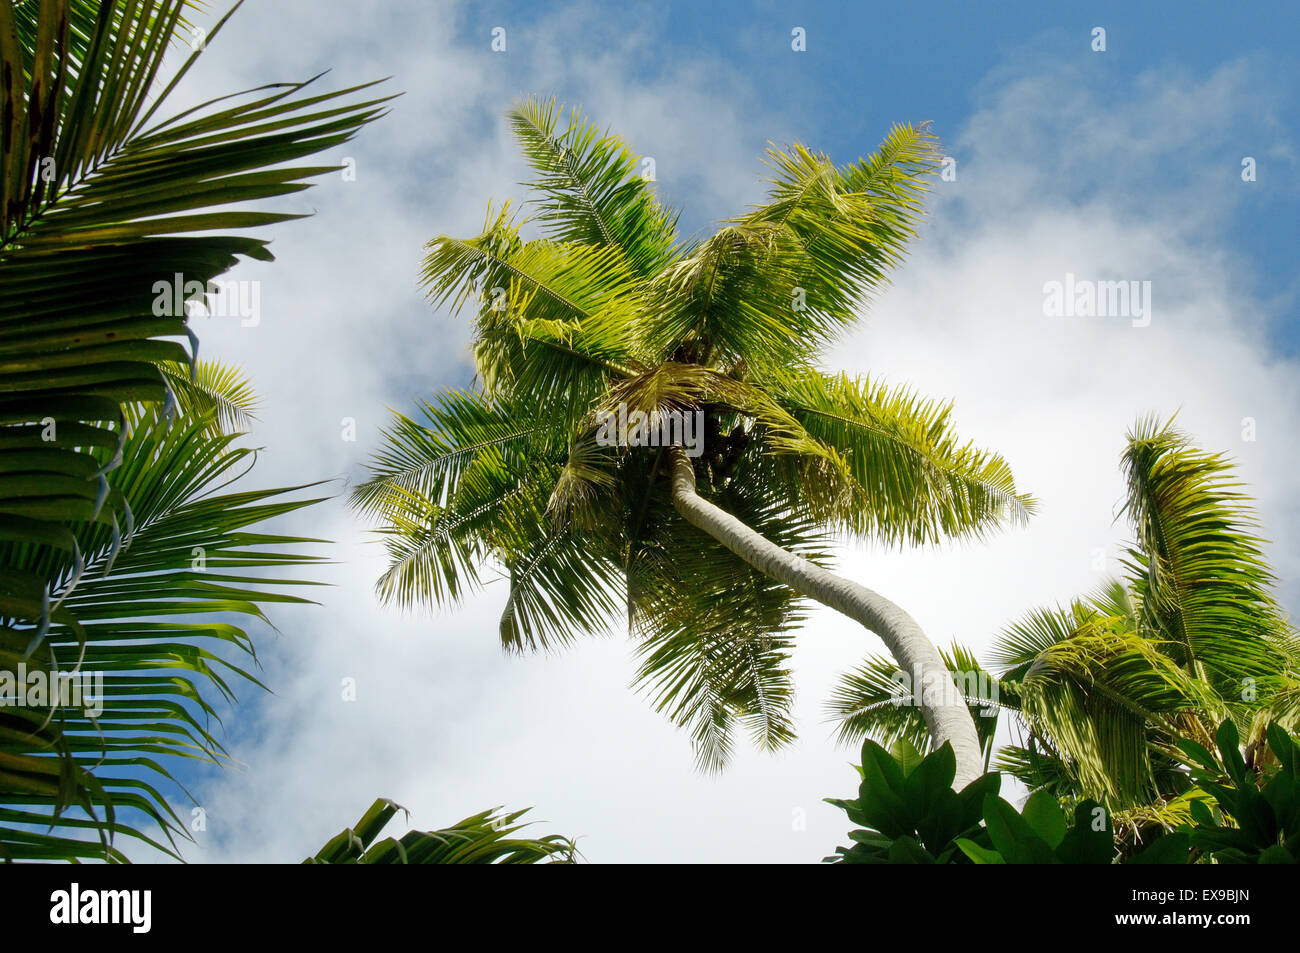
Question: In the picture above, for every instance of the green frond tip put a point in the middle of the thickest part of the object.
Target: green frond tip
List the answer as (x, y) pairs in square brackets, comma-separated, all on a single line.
[(1198, 567), (216, 389), (592, 189), (913, 478), (484, 838)]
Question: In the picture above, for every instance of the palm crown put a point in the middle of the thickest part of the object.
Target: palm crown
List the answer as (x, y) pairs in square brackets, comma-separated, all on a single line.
[(609, 313)]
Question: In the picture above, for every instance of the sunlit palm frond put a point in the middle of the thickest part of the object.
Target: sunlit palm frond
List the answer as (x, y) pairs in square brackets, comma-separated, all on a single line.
[(851, 224), (108, 227), (1193, 636), (1198, 568), (1098, 690), (675, 387), (476, 486), (914, 479), (427, 458), (82, 17), (436, 550), (731, 299), (555, 322), (593, 189)]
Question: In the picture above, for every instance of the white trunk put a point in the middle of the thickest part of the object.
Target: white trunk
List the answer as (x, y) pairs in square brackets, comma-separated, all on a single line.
[(942, 707)]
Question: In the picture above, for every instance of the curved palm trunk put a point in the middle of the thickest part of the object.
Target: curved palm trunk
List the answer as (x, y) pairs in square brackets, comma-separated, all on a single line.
[(942, 706)]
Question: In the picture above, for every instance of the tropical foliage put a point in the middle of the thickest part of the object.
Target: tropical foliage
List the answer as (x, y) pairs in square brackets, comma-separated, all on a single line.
[(908, 813), (1105, 689), (1252, 812), (1155, 715), (101, 202), (609, 315), (120, 545)]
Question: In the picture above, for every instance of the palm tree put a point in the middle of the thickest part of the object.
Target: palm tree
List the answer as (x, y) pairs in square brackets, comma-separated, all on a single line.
[(120, 556), (607, 326), (1104, 689)]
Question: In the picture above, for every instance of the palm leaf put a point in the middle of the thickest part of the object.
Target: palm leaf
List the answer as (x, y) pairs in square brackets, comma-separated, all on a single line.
[(1197, 568), (715, 636), (878, 701), (1097, 689), (141, 625), (592, 191), (100, 210), (913, 478), (485, 838), (213, 389)]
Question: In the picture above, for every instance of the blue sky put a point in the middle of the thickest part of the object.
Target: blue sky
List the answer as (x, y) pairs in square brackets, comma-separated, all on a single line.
[(1123, 164), (868, 65)]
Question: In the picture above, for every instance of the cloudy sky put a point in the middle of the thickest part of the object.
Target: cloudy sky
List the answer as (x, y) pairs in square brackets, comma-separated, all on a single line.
[(1122, 164)]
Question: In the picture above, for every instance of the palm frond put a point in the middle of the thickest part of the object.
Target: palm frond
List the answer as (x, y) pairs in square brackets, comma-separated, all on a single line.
[(150, 620), (427, 459), (913, 478), (714, 634), (484, 838), (1098, 690), (1197, 567), (215, 389), (877, 700), (82, 17), (104, 235), (850, 225), (563, 582), (474, 485), (1039, 768), (555, 322), (731, 300), (591, 189)]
